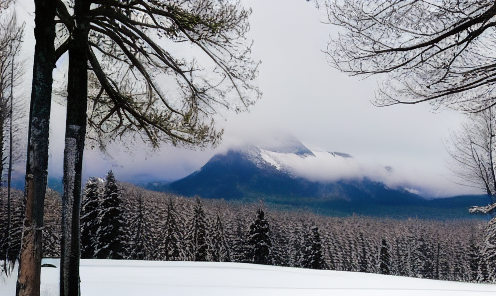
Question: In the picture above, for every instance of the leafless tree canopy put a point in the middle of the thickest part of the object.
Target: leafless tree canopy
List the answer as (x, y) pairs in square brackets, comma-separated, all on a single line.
[(11, 71), (162, 69), (472, 151), (441, 51)]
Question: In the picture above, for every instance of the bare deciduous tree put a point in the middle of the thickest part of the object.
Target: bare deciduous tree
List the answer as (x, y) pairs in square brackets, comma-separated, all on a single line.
[(472, 151), (28, 281), (142, 90), (11, 71), (437, 51)]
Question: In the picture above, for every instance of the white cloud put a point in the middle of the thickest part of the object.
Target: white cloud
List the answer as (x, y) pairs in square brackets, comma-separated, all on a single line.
[(302, 95), (326, 167)]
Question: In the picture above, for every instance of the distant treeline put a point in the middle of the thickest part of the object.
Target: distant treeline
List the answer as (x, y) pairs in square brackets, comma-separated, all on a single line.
[(128, 222)]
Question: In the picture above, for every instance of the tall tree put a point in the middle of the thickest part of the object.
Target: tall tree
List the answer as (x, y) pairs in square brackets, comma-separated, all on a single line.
[(474, 259), (120, 41), (313, 257), (89, 217), (140, 231), (260, 242), (220, 251), (11, 71), (28, 281), (363, 260), (198, 233), (384, 267), (110, 232), (489, 251), (437, 51), (75, 133), (472, 149), (172, 234)]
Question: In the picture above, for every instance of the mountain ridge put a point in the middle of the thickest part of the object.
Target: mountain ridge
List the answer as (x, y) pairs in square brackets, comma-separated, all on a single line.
[(253, 173)]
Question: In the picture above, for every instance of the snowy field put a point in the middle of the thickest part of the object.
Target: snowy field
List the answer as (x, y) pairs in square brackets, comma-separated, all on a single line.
[(132, 278)]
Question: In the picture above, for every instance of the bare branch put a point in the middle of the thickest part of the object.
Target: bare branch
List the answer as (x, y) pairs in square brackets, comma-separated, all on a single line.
[(437, 51)]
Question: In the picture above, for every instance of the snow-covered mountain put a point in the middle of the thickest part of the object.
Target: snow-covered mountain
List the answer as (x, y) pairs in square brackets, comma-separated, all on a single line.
[(287, 168), (287, 173)]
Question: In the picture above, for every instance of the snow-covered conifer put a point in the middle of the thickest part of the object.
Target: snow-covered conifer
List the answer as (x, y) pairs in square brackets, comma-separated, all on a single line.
[(110, 233), (141, 237), (219, 250), (314, 258), (281, 247), (260, 242), (474, 260), (297, 244), (363, 260), (239, 240), (489, 250), (90, 208), (198, 233), (171, 234), (384, 258)]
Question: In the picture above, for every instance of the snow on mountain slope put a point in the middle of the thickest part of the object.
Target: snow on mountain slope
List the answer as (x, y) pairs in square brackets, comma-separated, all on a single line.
[(319, 166), (296, 160), (289, 168), (133, 278), (316, 166)]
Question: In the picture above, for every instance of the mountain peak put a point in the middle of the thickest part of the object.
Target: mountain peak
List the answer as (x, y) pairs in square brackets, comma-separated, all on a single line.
[(280, 143)]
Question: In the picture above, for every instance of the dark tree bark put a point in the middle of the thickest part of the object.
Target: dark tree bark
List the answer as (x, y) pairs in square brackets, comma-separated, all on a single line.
[(128, 101), (77, 89), (28, 282)]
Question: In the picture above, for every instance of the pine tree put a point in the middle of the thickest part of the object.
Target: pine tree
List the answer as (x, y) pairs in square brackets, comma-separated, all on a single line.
[(316, 259), (297, 244), (489, 250), (362, 264), (240, 241), (473, 257), (384, 258), (198, 233), (347, 249), (138, 231), (459, 255), (219, 248), (260, 243), (110, 233), (401, 254), (306, 248), (172, 236), (89, 217), (424, 265), (331, 252), (281, 247)]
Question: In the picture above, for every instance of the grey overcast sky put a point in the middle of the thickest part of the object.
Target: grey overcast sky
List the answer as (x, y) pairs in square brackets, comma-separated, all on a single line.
[(302, 95)]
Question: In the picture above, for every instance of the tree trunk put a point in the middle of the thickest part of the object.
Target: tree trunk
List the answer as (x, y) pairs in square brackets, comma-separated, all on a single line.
[(73, 153), (11, 151), (28, 282)]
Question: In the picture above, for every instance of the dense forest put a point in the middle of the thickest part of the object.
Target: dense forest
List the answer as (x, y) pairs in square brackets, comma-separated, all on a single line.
[(122, 221)]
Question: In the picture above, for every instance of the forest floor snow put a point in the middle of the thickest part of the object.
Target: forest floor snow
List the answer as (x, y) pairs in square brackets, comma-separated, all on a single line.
[(132, 278)]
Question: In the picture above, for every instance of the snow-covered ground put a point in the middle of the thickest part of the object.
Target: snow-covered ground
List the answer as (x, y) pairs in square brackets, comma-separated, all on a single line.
[(132, 278)]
